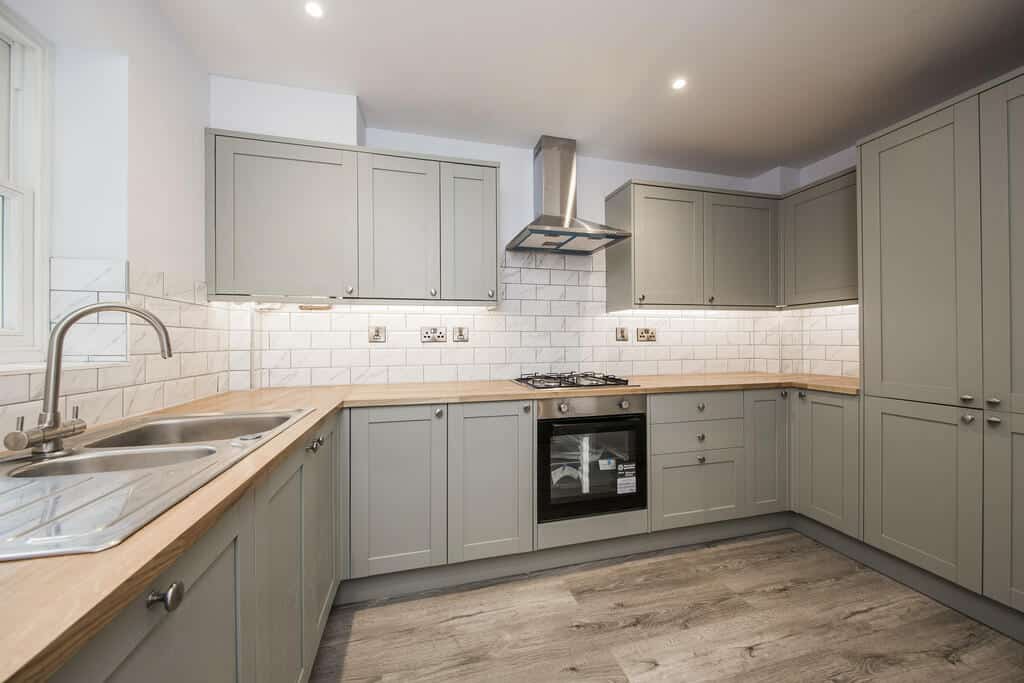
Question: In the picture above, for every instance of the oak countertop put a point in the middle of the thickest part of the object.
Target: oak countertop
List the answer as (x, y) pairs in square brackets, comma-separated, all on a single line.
[(51, 606)]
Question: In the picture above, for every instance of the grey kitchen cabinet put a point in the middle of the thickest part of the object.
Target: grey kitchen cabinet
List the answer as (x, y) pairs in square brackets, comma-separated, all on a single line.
[(740, 250), (663, 262), (921, 242), (1004, 508), (923, 486), (819, 242), (697, 487), (294, 556), (207, 637), (490, 479), (399, 488), (825, 459), (766, 428), (469, 232), (399, 228), (1002, 226), (282, 218)]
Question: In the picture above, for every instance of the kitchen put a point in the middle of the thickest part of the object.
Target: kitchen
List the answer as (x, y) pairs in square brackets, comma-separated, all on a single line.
[(687, 358)]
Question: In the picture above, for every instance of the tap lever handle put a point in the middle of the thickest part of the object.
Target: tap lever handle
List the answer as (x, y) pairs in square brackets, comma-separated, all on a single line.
[(20, 423)]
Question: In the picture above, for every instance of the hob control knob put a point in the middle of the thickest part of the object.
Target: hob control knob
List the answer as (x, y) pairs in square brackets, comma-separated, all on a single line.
[(624, 404), (563, 407)]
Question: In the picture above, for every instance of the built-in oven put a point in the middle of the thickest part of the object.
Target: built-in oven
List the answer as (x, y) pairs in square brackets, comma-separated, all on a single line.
[(591, 456)]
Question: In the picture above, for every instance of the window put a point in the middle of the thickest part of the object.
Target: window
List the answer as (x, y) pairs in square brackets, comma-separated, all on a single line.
[(24, 125)]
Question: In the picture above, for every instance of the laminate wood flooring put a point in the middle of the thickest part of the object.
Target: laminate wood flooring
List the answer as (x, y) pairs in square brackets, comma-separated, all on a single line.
[(776, 607)]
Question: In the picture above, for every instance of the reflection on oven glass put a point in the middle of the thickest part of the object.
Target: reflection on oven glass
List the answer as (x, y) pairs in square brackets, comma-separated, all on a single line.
[(587, 466)]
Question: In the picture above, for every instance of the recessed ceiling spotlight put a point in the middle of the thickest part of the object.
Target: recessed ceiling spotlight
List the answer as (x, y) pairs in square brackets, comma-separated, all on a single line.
[(314, 9), (677, 84)]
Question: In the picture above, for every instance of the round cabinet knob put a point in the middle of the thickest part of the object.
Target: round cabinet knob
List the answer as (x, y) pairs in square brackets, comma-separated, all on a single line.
[(701, 436), (490, 293), (802, 394), (526, 408), (433, 292), (967, 398), (438, 412), (702, 459), (785, 394), (993, 401), (170, 598), (967, 419), (624, 404), (701, 407), (994, 420), (563, 407), (642, 297), (711, 299), (350, 289)]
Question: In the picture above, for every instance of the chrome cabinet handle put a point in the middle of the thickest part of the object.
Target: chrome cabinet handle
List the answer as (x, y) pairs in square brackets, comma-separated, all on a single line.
[(438, 412), (433, 292), (490, 293), (315, 445), (170, 598), (702, 459), (802, 394), (711, 299), (967, 419), (701, 407), (642, 297), (993, 420), (350, 289), (526, 408), (993, 401), (967, 398), (701, 436), (785, 394)]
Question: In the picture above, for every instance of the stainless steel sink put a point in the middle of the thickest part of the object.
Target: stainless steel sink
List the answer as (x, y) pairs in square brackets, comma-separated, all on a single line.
[(99, 494), (92, 462), (195, 429)]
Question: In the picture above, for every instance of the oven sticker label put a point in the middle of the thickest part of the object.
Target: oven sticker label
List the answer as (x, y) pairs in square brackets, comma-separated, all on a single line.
[(606, 463), (626, 480)]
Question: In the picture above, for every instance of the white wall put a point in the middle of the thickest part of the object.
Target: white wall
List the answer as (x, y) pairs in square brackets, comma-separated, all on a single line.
[(271, 109), (167, 108)]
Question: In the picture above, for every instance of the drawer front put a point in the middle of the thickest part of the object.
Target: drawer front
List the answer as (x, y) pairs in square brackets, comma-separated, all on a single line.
[(702, 435), (701, 405)]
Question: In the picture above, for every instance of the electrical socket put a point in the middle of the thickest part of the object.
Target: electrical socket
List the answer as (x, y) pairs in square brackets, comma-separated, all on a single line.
[(431, 335), (646, 334), (460, 334), (621, 334), (377, 334)]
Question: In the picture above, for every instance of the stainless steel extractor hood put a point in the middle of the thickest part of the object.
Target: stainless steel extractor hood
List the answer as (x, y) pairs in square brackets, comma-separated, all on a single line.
[(556, 227)]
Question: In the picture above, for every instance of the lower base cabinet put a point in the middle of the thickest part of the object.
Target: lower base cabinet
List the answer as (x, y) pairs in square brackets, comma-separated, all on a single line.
[(825, 454), (923, 486), (209, 636), (1004, 508), (766, 430), (696, 487)]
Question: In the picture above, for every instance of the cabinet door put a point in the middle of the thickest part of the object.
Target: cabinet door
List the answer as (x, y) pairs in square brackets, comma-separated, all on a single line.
[(826, 457), (399, 228), (696, 488), (284, 219), (469, 232), (920, 199), (923, 486), (209, 637), (767, 442), (819, 243), (490, 480), (668, 245), (282, 650), (1004, 508), (1002, 211), (399, 486), (740, 251), (320, 534)]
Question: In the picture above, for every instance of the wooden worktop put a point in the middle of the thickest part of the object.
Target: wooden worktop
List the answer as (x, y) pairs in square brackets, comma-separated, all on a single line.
[(51, 606)]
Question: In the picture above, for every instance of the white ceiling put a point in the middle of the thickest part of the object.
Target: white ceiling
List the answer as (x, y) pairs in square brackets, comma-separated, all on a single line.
[(771, 82)]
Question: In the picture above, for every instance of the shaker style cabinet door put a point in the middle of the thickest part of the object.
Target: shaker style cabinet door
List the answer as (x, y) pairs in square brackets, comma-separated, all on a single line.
[(490, 479), (923, 486), (819, 243), (469, 232), (1004, 508), (320, 534), (740, 248), (826, 459), (399, 488), (920, 201), (697, 487), (399, 228), (668, 245), (766, 413), (284, 218), (1002, 226)]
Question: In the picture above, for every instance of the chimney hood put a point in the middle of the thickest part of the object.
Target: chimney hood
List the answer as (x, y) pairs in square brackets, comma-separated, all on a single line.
[(556, 227)]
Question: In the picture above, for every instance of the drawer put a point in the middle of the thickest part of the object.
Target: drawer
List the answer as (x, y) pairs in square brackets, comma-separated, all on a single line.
[(701, 435), (701, 405)]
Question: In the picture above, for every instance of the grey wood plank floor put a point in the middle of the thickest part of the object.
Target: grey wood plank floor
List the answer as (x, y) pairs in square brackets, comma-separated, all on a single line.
[(774, 607)]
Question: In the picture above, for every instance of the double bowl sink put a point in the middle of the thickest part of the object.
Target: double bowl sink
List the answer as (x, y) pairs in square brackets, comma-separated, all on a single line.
[(100, 493)]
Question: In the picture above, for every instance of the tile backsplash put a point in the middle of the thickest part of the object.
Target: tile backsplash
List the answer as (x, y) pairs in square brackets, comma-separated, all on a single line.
[(551, 318)]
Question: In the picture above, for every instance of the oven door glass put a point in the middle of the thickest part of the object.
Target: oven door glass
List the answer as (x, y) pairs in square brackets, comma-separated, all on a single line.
[(588, 466)]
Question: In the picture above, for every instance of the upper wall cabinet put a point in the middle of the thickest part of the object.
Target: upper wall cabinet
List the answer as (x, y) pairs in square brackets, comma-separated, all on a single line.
[(287, 218), (1002, 212), (281, 218), (740, 244), (819, 243), (921, 210)]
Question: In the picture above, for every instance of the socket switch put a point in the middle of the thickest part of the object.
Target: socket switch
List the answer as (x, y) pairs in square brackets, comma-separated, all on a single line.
[(432, 335), (460, 334), (377, 334), (621, 334), (646, 334)]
